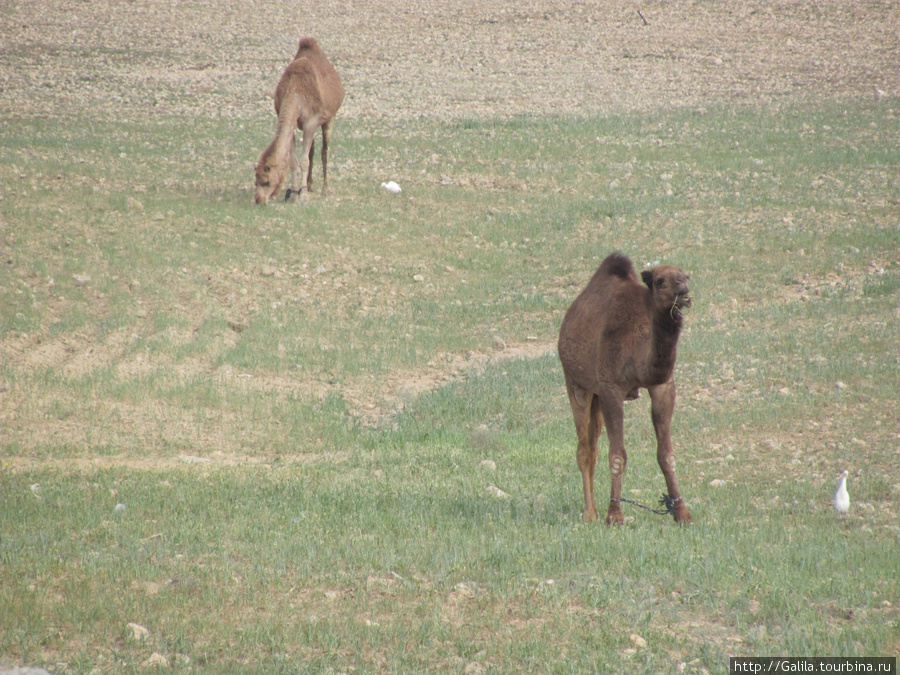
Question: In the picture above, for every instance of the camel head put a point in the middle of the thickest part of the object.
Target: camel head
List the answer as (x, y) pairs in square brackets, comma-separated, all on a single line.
[(269, 177), (669, 290)]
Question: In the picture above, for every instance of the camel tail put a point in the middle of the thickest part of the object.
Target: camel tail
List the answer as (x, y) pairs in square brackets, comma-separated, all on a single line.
[(597, 413)]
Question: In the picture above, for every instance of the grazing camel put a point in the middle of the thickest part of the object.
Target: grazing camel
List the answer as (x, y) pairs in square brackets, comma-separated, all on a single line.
[(308, 96), (619, 335)]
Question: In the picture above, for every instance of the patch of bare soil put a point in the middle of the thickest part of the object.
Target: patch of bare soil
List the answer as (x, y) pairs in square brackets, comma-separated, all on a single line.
[(450, 59)]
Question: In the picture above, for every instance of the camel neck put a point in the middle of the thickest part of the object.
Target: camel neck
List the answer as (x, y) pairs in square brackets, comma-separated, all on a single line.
[(664, 343), (284, 135), (287, 122)]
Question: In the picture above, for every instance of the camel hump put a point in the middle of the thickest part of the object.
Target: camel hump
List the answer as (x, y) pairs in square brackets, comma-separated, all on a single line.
[(617, 265), (306, 45)]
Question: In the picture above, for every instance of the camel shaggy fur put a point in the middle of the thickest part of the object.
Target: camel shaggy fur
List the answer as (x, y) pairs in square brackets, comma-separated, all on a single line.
[(308, 96), (619, 335)]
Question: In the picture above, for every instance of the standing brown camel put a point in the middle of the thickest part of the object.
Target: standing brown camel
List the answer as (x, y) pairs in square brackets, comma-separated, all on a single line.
[(619, 335), (308, 96)]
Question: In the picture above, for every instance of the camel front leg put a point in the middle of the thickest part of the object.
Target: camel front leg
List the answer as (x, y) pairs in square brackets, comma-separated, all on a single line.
[(662, 408), (290, 194), (326, 139)]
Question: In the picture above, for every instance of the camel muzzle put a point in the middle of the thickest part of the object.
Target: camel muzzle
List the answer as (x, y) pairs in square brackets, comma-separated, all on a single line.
[(262, 196)]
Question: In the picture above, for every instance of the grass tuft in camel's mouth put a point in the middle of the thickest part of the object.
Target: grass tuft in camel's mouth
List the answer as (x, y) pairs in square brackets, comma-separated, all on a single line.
[(681, 300)]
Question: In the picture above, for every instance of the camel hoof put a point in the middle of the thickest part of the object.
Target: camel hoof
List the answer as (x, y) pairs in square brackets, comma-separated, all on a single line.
[(590, 516), (615, 518), (684, 518)]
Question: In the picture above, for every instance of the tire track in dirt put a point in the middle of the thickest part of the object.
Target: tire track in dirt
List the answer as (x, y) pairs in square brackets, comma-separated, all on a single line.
[(59, 417), (400, 389)]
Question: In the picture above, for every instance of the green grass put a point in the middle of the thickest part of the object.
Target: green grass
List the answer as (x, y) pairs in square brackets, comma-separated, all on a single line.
[(249, 383)]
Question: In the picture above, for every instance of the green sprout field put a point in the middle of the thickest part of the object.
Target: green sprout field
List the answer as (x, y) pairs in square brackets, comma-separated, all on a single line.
[(334, 436)]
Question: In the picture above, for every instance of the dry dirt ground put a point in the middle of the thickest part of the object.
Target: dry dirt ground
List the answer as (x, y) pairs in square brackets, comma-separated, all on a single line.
[(454, 58), (402, 59)]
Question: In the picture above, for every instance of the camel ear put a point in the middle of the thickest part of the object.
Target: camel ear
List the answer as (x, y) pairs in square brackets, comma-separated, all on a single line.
[(647, 276)]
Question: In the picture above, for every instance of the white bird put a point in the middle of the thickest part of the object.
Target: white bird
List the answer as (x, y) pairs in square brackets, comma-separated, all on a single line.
[(841, 497), (391, 186)]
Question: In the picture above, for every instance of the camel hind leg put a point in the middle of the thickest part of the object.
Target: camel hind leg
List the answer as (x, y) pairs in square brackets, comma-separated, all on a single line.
[(306, 160), (588, 424), (326, 139), (309, 174), (613, 415)]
